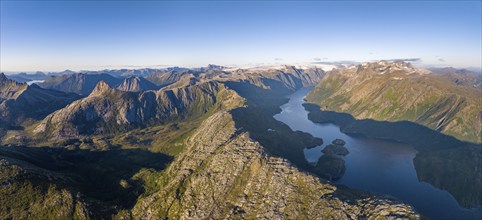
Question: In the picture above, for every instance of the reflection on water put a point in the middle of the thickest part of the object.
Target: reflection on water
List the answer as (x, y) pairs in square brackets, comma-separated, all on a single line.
[(376, 165)]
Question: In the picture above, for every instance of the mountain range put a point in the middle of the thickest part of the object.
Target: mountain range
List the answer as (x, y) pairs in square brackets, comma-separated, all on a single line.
[(202, 143), (107, 109), (200, 128), (79, 83), (20, 104)]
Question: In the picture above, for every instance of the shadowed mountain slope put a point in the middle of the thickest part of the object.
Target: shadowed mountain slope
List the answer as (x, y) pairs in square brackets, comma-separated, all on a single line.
[(79, 83), (20, 102)]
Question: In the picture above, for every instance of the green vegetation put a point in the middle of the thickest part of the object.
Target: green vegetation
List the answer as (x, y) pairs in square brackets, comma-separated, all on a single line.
[(103, 177), (217, 154), (456, 170), (442, 161), (430, 100)]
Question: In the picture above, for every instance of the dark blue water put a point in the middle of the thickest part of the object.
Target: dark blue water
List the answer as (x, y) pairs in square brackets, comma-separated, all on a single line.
[(376, 165)]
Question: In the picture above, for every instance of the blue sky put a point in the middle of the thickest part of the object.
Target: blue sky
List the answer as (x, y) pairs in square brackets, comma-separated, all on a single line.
[(58, 35)]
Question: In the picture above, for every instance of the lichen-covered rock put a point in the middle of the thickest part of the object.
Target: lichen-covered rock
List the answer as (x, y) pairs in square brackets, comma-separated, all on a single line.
[(224, 174)]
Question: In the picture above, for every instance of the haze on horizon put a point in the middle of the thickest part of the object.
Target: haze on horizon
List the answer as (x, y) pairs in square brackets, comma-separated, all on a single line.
[(59, 35)]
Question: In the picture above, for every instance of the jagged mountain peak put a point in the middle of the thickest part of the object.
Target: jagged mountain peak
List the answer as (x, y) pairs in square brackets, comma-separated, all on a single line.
[(10, 89), (389, 67), (113, 107), (101, 88), (3, 78)]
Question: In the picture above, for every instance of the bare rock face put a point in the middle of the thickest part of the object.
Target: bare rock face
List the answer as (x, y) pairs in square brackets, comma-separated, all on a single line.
[(136, 84), (101, 88), (107, 109), (223, 173), (10, 89)]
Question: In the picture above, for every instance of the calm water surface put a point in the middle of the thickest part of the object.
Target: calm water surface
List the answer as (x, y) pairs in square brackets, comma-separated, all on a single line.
[(376, 165)]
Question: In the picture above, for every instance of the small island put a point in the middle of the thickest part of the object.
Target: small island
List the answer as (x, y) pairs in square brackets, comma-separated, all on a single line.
[(330, 167), (338, 142), (336, 148), (333, 149)]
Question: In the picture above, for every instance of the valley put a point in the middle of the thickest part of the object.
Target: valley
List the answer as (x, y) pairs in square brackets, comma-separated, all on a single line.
[(159, 110), (387, 167), (218, 143)]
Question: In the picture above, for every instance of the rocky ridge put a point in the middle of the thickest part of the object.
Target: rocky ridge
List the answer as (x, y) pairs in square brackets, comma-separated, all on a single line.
[(136, 84), (107, 109), (225, 174), (79, 83)]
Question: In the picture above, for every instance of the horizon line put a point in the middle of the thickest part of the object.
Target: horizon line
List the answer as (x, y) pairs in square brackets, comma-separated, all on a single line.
[(415, 61)]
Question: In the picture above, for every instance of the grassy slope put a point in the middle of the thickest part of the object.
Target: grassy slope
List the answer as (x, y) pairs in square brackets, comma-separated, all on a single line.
[(427, 100), (430, 101), (27, 191)]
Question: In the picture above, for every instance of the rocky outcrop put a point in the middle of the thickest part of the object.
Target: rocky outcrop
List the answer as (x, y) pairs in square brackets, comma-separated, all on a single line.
[(223, 173), (397, 91), (9, 89)]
